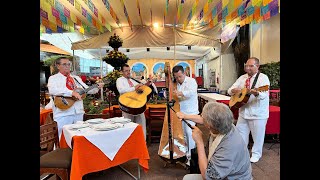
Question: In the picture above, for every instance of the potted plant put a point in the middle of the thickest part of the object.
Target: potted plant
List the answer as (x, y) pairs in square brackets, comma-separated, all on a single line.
[(272, 70), (110, 81), (94, 108), (116, 59), (115, 41)]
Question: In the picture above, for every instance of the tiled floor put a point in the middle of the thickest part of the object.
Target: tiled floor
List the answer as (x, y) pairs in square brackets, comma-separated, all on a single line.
[(267, 168)]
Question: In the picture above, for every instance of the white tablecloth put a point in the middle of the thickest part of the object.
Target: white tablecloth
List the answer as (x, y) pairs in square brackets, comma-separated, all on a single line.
[(213, 96), (109, 142)]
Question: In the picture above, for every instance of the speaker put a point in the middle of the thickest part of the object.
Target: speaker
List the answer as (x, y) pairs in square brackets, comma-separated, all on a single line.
[(148, 49), (128, 50), (168, 48), (189, 47)]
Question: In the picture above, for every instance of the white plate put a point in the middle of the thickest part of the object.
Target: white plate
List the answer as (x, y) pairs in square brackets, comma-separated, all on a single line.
[(105, 127), (120, 120), (95, 121), (78, 126)]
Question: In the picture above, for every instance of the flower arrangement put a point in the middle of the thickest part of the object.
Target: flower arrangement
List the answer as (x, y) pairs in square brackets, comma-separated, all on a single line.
[(115, 41), (116, 59), (110, 80)]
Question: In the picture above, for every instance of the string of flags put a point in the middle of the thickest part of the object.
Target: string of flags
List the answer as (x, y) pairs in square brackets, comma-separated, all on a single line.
[(55, 17)]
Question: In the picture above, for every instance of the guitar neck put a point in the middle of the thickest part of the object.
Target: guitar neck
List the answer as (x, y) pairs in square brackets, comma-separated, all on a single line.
[(88, 89), (262, 88)]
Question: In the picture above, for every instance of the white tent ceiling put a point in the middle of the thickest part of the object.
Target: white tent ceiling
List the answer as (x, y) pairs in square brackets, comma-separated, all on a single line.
[(65, 40), (151, 11)]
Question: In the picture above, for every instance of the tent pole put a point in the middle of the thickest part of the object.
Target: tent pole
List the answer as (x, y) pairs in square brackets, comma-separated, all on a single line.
[(74, 62), (101, 70)]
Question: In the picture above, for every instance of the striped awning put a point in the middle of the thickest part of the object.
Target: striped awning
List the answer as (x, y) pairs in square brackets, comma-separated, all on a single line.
[(52, 49)]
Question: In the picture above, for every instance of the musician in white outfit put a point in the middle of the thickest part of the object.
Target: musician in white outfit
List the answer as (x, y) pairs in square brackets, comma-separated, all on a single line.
[(126, 84), (254, 114), (64, 84), (188, 99)]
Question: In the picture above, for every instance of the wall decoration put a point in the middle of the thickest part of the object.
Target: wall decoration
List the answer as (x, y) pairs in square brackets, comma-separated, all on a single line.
[(138, 70), (186, 67), (158, 72)]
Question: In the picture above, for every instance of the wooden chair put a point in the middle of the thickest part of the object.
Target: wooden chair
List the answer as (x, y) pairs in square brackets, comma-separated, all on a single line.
[(155, 123), (116, 112), (202, 103), (49, 118), (53, 160)]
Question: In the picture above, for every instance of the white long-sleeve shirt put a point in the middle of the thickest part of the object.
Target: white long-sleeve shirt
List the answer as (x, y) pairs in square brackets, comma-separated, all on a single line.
[(57, 87), (189, 101), (256, 107), (123, 85)]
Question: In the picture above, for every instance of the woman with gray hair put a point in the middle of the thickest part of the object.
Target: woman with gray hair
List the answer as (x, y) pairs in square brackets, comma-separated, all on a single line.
[(228, 155)]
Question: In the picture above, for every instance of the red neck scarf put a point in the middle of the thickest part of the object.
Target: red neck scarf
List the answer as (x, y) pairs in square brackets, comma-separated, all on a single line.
[(70, 84), (248, 82), (130, 83)]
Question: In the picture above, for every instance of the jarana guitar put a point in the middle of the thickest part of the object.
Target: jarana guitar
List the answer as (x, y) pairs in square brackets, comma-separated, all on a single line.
[(65, 103), (241, 98), (134, 102)]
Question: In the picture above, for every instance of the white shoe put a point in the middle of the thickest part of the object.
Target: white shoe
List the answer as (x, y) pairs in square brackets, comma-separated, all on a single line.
[(254, 159)]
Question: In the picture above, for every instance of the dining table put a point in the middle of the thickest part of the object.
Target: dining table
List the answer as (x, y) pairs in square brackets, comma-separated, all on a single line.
[(95, 150)]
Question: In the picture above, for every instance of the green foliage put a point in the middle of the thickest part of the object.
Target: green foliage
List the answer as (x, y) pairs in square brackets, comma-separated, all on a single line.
[(272, 70), (115, 41), (90, 108), (116, 59), (50, 60)]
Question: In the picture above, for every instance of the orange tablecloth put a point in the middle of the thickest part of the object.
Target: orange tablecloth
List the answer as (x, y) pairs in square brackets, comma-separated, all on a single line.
[(146, 113), (87, 158), (43, 115)]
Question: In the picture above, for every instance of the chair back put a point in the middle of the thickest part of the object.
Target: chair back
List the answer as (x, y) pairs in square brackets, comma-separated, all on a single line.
[(116, 112), (49, 137), (155, 123)]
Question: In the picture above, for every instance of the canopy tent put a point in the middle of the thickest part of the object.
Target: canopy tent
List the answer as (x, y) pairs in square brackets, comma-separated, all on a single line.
[(158, 39), (64, 40), (52, 49), (152, 37)]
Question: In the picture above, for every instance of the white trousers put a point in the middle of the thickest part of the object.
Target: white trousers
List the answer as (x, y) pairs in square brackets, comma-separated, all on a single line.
[(257, 128), (64, 120), (188, 137), (140, 119)]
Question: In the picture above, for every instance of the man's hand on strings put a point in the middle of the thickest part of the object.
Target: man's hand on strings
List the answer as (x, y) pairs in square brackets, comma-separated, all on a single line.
[(76, 95), (180, 115)]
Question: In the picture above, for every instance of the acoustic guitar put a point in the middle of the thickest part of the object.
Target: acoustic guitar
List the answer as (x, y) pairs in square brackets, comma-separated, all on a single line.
[(134, 102), (241, 98), (65, 103)]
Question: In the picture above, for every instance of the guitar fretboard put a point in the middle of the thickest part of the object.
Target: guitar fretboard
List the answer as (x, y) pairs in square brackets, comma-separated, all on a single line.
[(88, 89)]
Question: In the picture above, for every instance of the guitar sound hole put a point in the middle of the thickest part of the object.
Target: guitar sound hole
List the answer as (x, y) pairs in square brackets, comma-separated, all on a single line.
[(139, 91), (240, 94)]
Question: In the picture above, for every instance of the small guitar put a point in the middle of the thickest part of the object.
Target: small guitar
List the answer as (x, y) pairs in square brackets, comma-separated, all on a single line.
[(65, 103), (134, 102), (241, 98)]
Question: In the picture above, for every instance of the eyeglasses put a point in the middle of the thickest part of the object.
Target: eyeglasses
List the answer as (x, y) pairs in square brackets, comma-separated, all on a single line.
[(65, 64), (251, 66)]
